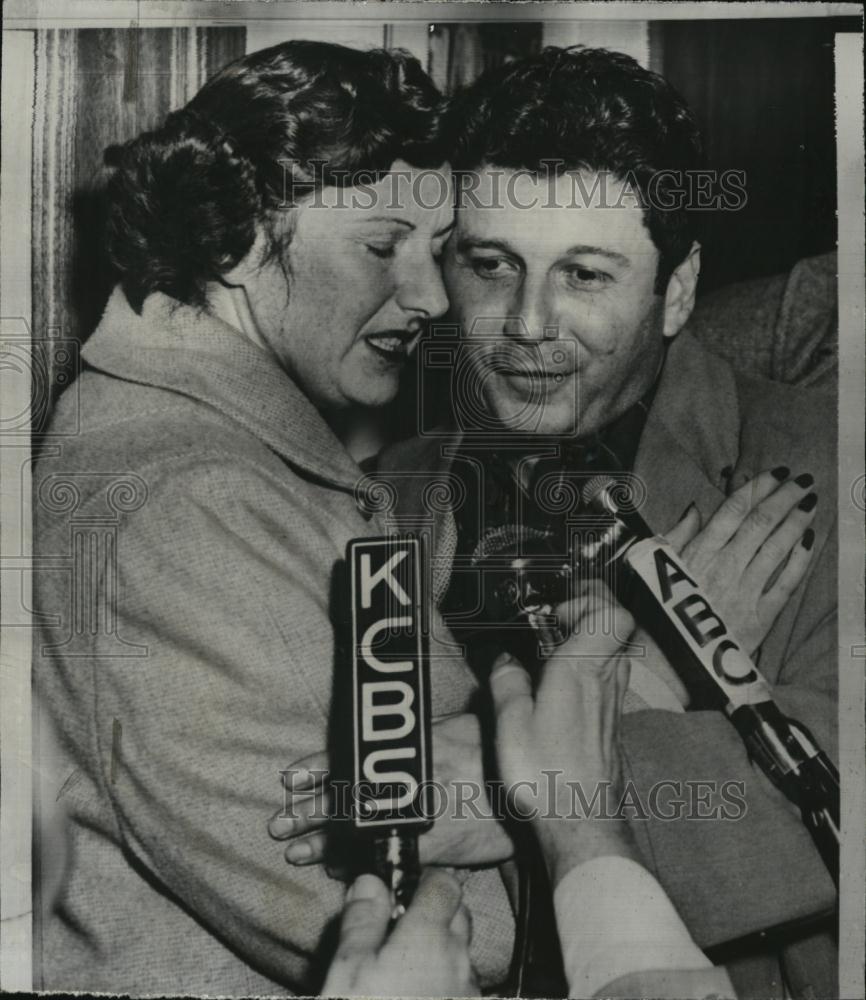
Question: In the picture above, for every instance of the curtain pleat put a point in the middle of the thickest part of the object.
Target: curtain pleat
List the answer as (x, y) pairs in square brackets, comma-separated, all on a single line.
[(95, 87)]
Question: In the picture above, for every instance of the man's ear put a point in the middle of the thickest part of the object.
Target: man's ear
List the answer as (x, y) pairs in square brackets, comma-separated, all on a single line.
[(680, 293)]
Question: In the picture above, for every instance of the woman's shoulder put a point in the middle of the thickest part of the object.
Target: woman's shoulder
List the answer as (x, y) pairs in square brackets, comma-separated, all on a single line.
[(105, 432), (101, 419)]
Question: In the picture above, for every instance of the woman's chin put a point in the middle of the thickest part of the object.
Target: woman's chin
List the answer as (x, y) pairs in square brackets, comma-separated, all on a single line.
[(373, 392)]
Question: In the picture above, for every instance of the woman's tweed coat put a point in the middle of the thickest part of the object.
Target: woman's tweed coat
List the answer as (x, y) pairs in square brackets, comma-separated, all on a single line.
[(189, 517)]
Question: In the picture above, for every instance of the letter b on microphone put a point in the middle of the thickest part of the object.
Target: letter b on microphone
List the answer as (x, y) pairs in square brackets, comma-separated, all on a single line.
[(391, 685)]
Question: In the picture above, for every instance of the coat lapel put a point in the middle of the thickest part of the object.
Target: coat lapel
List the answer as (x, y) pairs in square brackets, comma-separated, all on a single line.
[(689, 446)]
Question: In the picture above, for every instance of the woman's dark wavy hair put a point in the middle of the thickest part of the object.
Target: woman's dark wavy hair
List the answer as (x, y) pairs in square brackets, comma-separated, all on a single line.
[(590, 109), (184, 199)]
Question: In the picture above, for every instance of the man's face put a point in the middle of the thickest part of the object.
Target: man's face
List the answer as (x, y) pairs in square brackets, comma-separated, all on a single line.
[(557, 302)]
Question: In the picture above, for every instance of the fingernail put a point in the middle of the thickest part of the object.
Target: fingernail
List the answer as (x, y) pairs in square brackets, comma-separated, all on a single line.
[(280, 825), (295, 776), (808, 502), (298, 852), (364, 887), (804, 480), (501, 660), (808, 539), (781, 472)]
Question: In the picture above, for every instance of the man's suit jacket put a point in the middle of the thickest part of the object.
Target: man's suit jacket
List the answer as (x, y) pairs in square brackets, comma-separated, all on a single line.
[(187, 530), (709, 429)]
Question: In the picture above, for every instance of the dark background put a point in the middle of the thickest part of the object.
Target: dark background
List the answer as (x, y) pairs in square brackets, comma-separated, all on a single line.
[(762, 92)]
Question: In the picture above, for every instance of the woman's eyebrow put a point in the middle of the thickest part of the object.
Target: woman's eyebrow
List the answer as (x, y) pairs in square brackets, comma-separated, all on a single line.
[(390, 219), (409, 226)]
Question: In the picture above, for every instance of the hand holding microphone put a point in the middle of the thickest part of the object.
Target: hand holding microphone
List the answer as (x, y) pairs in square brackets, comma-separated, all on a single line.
[(426, 953), (567, 734), (457, 838)]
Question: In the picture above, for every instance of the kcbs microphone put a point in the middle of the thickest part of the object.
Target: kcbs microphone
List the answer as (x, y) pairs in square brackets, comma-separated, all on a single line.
[(391, 740), (783, 748)]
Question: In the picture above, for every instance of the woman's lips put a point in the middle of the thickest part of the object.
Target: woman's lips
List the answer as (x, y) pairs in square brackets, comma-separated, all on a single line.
[(391, 345)]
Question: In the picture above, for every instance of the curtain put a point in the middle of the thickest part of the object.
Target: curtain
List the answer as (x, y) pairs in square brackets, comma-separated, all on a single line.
[(95, 87)]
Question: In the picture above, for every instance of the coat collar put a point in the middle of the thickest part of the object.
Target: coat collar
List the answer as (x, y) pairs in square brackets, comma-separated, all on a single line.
[(690, 443), (177, 347)]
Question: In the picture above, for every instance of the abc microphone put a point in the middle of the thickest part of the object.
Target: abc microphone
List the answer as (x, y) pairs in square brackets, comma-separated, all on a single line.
[(782, 747), (391, 744)]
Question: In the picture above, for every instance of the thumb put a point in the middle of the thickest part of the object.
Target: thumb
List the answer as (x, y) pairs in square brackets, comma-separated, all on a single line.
[(510, 686), (435, 905), (365, 919), (685, 529)]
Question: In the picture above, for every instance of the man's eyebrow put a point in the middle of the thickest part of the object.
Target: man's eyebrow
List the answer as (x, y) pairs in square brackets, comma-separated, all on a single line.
[(469, 243), (611, 255)]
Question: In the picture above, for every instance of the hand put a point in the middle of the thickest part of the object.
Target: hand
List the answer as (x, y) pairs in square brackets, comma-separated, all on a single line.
[(427, 953), (753, 552), (568, 733), (464, 832)]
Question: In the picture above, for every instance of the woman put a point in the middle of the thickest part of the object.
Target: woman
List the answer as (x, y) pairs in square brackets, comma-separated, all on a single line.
[(273, 276)]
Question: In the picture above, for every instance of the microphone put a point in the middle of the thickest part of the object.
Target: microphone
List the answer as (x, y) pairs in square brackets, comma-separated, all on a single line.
[(783, 748), (391, 739)]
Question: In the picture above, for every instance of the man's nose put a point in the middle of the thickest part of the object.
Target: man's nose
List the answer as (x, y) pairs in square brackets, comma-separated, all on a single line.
[(531, 315), (420, 288)]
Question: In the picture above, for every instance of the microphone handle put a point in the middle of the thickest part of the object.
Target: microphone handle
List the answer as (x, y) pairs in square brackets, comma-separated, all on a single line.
[(788, 754), (395, 861)]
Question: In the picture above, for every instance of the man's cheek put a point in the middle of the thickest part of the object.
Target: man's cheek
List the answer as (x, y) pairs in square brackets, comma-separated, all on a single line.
[(472, 299)]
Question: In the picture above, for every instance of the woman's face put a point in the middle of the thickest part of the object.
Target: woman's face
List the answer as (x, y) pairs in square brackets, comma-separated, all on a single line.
[(363, 267)]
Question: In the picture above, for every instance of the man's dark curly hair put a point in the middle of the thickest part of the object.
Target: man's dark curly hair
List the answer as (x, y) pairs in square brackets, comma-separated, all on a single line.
[(184, 199), (589, 109)]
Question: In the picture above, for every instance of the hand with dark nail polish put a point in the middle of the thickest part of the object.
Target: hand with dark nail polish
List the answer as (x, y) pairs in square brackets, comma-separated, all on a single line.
[(753, 551)]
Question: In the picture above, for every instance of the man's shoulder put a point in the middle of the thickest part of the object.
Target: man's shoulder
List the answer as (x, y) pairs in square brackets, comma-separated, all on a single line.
[(799, 406), (768, 417), (776, 418)]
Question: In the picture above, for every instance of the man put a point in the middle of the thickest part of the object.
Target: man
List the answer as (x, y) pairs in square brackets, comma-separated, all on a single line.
[(571, 273)]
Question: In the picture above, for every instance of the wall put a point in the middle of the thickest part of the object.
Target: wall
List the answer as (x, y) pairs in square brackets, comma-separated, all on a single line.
[(763, 93)]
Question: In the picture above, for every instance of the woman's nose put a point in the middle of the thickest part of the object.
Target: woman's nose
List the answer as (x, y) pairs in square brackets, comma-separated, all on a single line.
[(421, 289)]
